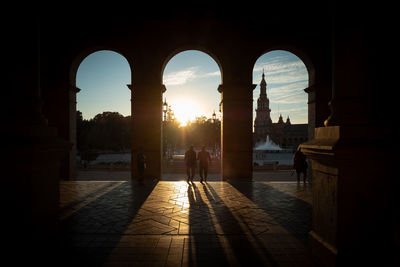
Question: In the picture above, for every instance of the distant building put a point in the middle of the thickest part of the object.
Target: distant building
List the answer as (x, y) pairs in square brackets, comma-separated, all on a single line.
[(284, 134)]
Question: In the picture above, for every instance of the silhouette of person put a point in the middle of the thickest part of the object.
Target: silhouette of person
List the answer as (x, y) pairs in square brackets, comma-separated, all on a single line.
[(141, 163), (190, 160), (204, 158), (300, 164)]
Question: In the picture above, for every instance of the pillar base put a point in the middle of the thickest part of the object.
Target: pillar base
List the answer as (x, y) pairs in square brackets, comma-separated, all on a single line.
[(237, 166), (351, 168), (323, 253)]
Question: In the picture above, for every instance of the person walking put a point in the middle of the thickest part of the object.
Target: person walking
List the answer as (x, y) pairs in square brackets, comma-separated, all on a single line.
[(204, 158), (190, 160), (300, 164), (141, 163)]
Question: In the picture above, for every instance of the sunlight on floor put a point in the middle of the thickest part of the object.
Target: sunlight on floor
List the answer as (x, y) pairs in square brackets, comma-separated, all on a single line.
[(181, 224), (185, 212)]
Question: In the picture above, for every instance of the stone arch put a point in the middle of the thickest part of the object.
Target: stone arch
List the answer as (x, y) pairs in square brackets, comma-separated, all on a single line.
[(309, 63), (196, 48), (84, 53), (73, 90), (216, 60), (176, 51)]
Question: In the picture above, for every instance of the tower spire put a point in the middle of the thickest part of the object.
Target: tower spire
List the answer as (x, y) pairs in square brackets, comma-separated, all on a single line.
[(263, 85), (288, 120), (262, 122)]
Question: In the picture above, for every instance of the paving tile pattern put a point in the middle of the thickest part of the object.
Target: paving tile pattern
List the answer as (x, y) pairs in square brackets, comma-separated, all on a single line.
[(180, 224)]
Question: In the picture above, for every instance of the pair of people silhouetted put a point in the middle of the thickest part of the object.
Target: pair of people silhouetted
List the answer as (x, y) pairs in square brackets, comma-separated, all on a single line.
[(300, 165), (191, 163)]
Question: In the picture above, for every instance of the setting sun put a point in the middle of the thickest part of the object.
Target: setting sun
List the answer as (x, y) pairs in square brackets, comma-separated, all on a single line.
[(185, 111)]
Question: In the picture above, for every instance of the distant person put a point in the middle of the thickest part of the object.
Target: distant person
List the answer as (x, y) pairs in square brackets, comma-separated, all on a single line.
[(141, 163), (204, 158), (300, 164), (190, 160)]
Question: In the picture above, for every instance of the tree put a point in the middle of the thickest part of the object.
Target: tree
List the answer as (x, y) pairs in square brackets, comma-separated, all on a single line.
[(202, 131), (106, 131), (112, 131)]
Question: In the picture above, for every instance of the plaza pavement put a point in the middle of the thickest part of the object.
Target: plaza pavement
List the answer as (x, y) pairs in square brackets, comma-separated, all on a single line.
[(173, 223)]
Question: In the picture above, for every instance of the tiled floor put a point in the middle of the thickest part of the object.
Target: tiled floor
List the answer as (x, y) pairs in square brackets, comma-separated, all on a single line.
[(170, 223)]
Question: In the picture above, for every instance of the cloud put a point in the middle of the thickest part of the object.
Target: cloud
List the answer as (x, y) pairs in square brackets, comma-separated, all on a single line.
[(285, 80), (187, 75), (277, 71), (291, 93), (209, 74), (291, 110), (287, 88), (180, 77), (294, 98)]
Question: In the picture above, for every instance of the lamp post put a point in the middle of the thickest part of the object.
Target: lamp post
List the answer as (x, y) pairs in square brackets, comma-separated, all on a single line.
[(214, 119), (172, 140), (164, 130), (165, 109)]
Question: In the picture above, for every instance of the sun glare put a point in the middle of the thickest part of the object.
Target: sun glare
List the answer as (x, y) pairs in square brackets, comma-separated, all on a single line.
[(185, 112)]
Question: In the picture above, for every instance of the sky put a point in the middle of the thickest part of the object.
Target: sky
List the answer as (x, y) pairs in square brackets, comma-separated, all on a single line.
[(192, 79), (286, 77), (102, 77)]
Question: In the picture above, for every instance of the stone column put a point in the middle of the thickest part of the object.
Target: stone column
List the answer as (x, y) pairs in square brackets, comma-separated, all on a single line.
[(146, 106), (72, 134), (31, 151), (236, 130), (311, 111), (351, 162)]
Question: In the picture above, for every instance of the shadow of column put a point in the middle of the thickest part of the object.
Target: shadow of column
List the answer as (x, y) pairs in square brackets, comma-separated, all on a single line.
[(292, 213), (204, 246), (244, 251), (88, 236)]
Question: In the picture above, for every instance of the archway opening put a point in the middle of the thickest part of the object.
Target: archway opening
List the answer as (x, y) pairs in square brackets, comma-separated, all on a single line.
[(280, 114), (191, 113), (103, 117)]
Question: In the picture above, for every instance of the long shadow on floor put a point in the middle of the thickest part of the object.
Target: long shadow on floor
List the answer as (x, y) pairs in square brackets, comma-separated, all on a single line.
[(292, 213), (238, 248), (88, 236), (204, 247)]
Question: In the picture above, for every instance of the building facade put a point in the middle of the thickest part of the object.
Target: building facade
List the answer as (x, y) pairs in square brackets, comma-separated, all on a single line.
[(284, 134)]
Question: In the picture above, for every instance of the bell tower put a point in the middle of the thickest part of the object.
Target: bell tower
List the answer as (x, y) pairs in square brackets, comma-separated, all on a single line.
[(262, 122)]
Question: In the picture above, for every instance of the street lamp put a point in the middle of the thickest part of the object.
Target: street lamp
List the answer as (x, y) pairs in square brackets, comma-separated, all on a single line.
[(165, 109), (164, 130)]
